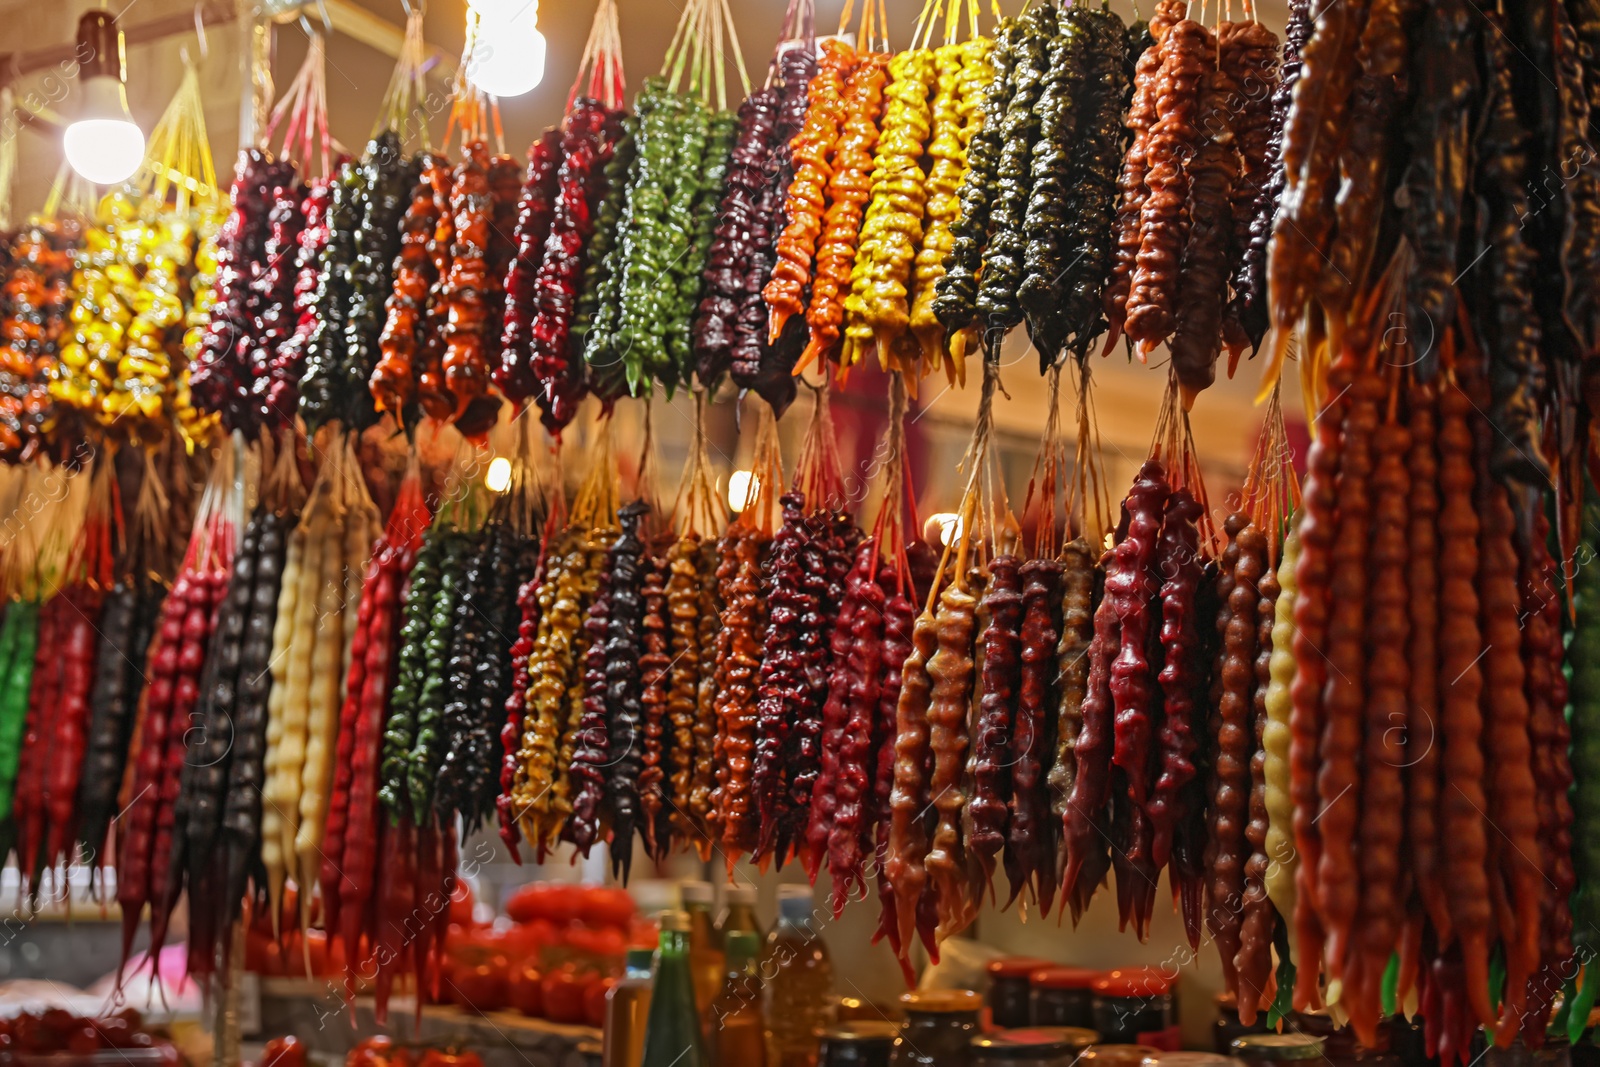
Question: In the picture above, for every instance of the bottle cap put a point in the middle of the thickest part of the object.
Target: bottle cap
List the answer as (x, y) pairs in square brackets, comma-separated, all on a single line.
[(740, 947), (639, 959), (697, 893), (675, 919), (794, 903), (739, 893)]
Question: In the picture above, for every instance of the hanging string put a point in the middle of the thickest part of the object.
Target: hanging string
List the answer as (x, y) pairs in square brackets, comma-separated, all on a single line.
[(600, 67), (305, 106), (178, 154)]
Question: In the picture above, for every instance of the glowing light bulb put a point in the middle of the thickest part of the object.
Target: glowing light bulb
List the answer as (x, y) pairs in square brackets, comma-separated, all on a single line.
[(508, 51), (500, 10), (743, 486), (946, 523), (498, 477), (104, 145)]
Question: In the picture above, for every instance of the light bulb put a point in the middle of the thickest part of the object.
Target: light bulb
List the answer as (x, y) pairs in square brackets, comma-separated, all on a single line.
[(104, 145), (501, 10), (498, 478), (508, 52), (742, 489), (947, 524)]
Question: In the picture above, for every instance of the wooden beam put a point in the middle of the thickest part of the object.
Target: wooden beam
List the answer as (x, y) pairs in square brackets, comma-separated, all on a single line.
[(210, 13), (346, 17), (360, 24)]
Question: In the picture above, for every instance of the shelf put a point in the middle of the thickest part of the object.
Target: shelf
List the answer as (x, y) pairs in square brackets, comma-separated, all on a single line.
[(317, 1014)]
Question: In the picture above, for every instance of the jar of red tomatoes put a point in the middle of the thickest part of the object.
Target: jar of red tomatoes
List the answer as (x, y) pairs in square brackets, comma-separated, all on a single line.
[(1137, 1005)]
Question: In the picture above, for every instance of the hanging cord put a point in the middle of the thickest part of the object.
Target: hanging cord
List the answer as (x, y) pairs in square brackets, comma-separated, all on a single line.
[(178, 155), (600, 73), (303, 111), (407, 87), (8, 161)]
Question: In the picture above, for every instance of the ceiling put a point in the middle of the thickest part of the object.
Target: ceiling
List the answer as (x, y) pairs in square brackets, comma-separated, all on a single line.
[(357, 73)]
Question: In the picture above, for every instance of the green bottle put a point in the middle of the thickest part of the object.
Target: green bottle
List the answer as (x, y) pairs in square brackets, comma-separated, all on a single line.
[(672, 1030)]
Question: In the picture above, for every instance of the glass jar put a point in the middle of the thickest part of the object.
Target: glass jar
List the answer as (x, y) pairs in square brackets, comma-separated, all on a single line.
[(849, 1009), (1556, 1052), (1040, 1046), (1117, 1055), (1191, 1059), (858, 1043), (1267, 1050), (940, 1024), (1408, 1041), (1340, 1045), (1228, 1025), (1062, 996), (1008, 989), (1136, 1005)]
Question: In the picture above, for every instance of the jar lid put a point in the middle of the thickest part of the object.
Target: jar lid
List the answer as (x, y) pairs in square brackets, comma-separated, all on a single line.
[(1030, 1041), (1117, 1055), (1015, 966), (1278, 1046), (1065, 978), (1134, 982), (862, 1032), (941, 1001), (1191, 1059)]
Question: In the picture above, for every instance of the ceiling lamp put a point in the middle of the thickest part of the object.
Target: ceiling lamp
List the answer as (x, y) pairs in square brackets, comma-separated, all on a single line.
[(507, 49), (501, 10), (104, 145)]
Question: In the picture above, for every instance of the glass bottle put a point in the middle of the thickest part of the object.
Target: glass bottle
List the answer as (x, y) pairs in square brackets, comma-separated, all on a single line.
[(798, 976), (705, 946), (627, 1006), (672, 1032), (738, 910), (738, 1038)]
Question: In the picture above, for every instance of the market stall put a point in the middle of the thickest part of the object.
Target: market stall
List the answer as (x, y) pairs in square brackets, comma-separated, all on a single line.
[(396, 533)]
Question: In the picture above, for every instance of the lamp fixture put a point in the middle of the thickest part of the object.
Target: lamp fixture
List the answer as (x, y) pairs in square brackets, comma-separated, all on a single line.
[(104, 144), (506, 51)]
